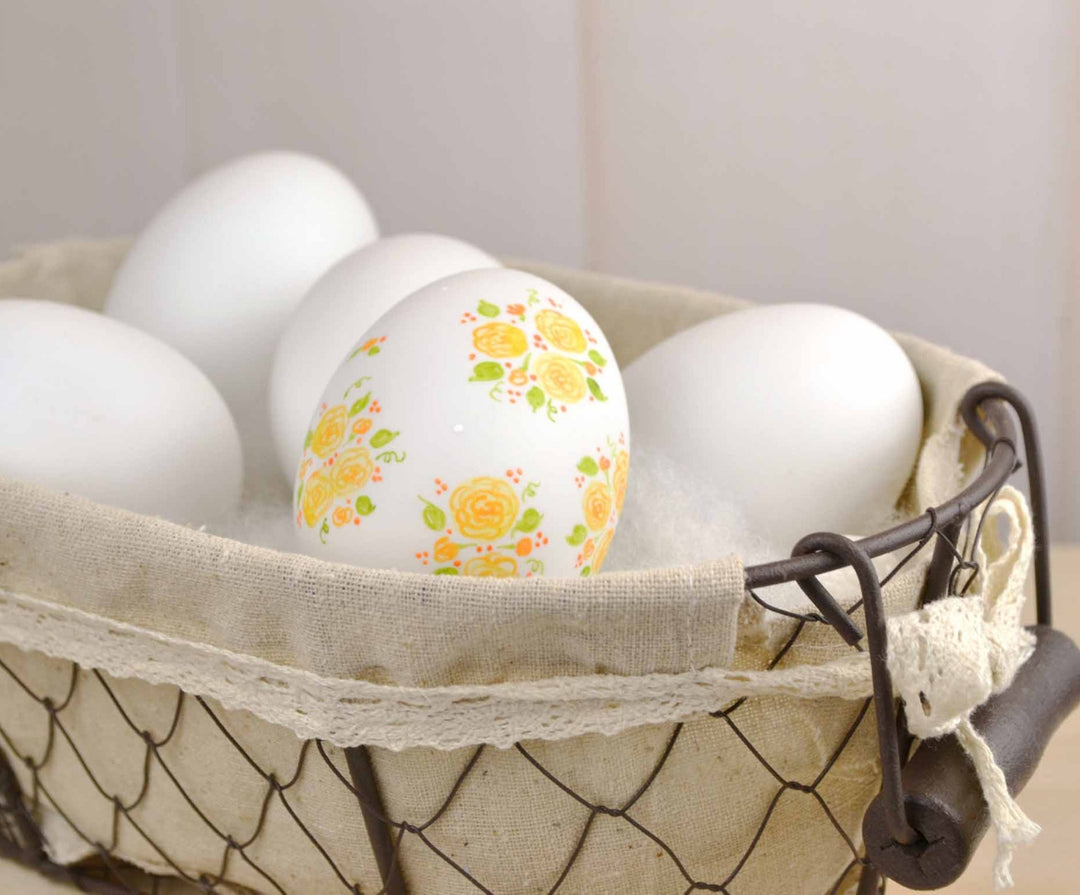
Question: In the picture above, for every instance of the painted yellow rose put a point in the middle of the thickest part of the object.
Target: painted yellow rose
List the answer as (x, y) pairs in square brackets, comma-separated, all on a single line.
[(445, 550), (329, 431), (560, 377), (488, 566), (500, 340), (561, 331), (342, 516), (351, 471), (484, 508), (619, 477), (597, 505), (601, 550), (317, 497)]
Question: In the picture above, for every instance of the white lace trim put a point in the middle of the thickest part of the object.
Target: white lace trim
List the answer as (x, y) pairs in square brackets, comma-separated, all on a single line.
[(349, 713)]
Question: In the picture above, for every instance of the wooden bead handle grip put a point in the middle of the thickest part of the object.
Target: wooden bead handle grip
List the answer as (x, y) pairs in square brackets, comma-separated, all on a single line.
[(943, 799)]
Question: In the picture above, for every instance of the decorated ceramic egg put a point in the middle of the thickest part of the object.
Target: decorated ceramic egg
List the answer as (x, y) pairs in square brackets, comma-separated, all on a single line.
[(478, 428), (343, 303)]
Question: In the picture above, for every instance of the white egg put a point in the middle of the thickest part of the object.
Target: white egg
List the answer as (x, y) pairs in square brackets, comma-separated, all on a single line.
[(808, 417), (479, 428), (220, 268), (339, 308), (95, 407)]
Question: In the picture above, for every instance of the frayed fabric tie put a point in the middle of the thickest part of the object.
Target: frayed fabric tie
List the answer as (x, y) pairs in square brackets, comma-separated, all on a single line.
[(949, 657)]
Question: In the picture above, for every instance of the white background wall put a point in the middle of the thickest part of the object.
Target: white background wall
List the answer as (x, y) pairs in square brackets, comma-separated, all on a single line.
[(915, 162)]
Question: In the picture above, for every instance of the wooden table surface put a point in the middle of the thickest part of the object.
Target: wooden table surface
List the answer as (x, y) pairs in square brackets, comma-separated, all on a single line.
[(1049, 866)]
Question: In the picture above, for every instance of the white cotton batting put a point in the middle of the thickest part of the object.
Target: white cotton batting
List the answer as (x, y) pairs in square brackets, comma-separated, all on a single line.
[(673, 517)]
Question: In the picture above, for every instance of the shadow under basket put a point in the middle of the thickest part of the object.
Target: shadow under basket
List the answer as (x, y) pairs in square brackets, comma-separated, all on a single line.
[(180, 712)]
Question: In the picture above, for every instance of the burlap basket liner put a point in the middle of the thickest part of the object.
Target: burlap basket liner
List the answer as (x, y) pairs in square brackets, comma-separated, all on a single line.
[(592, 674)]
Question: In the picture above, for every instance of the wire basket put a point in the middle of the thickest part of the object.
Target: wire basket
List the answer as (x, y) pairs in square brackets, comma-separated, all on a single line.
[(122, 785)]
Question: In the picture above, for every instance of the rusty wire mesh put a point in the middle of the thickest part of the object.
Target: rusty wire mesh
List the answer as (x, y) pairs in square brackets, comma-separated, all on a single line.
[(21, 838)]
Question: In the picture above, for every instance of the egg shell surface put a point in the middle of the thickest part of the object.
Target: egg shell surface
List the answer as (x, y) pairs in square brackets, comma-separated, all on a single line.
[(338, 309), (95, 407), (222, 265), (479, 428), (807, 416)]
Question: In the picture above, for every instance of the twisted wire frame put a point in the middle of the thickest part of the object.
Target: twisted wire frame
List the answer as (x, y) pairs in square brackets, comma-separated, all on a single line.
[(951, 535)]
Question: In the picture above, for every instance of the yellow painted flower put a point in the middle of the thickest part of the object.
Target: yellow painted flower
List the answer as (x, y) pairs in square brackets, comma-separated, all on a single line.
[(484, 508), (342, 515), (588, 547), (619, 478), (445, 550), (500, 340), (351, 471), (518, 377), (601, 550), (597, 505), (560, 377), (561, 331), (489, 566), (361, 426), (317, 497), (329, 431)]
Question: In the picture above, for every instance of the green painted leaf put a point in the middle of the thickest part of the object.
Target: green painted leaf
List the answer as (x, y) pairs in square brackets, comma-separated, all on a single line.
[(597, 358), (324, 530), (486, 371), (307, 439), (359, 404), (529, 521), (585, 572), (375, 349), (597, 392), (359, 382), (535, 397), (487, 309), (577, 536), (434, 518), (364, 506), (447, 570), (383, 437), (588, 466)]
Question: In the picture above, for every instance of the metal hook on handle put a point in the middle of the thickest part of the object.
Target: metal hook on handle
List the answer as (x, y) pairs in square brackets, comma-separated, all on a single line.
[(969, 409), (892, 792)]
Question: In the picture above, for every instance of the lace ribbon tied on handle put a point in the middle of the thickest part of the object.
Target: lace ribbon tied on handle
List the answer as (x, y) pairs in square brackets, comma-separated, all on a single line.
[(949, 657)]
